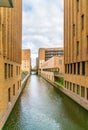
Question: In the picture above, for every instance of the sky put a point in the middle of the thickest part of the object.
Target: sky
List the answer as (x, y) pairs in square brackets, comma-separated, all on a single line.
[(42, 25)]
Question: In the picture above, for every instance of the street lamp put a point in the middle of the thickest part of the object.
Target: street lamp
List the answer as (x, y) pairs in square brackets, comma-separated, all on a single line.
[(6, 3)]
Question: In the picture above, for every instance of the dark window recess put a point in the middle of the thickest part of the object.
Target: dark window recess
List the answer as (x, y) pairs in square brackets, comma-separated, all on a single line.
[(78, 68), (5, 70), (83, 68), (71, 69), (77, 5), (9, 96), (82, 22), (73, 29), (83, 91), (74, 68), (8, 70)]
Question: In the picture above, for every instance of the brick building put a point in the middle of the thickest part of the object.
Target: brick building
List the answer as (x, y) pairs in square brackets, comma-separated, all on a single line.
[(76, 47), (53, 68), (10, 57), (46, 53), (26, 60)]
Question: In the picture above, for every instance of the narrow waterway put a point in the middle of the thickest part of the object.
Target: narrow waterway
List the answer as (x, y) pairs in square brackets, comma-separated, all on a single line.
[(42, 107)]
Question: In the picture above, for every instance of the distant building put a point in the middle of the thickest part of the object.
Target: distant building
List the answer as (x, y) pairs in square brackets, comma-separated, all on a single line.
[(10, 57), (53, 68), (26, 60), (76, 48), (46, 53)]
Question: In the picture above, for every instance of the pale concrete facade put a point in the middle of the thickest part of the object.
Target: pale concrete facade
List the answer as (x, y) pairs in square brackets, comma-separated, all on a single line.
[(52, 67), (10, 56), (76, 47), (26, 60)]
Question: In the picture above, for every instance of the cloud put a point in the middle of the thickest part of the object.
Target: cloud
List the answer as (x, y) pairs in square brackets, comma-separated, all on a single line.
[(42, 24)]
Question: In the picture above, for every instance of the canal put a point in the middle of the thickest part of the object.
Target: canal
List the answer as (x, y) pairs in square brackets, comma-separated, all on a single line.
[(42, 107)]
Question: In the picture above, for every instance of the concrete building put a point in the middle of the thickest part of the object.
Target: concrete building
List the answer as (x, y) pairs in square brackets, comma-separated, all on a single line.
[(46, 53), (76, 48), (26, 60), (53, 68), (10, 57)]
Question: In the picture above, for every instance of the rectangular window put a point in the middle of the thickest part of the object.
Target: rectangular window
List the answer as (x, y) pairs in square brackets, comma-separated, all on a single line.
[(11, 70), (19, 70), (60, 62), (73, 87), (83, 68), (74, 68), (77, 5), (9, 96), (16, 70), (78, 89), (70, 86), (73, 29), (83, 91), (14, 89), (82, 22), (77, 48), (8, 70), (70, 68), (78, 68), (5, 70)]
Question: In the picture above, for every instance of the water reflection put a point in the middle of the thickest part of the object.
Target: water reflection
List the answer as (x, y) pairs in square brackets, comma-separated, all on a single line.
[(42, 107)]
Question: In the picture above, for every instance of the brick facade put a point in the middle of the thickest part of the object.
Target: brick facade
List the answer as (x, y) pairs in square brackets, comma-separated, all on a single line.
[(76, 46), (10, 54)]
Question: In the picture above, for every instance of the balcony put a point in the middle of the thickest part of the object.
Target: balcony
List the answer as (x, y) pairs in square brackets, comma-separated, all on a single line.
[(6, 3)]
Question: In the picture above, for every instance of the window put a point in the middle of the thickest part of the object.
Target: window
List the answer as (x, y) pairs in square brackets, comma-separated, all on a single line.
[(77, 48), (73, 87), (70, 86), (60, 62), (8, 70), (70, 68), (19, 70), (14, 89), (82, 22), (16, 70), (78, 89), (9, 96), (73, 29), (78, 68), (83, 68), (18, 84), (5, 70), (74, 68), (83, 91), (77, 5), (11, 70)]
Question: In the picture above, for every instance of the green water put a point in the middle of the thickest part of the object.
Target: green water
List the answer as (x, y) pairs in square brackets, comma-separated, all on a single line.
[(42, 107)]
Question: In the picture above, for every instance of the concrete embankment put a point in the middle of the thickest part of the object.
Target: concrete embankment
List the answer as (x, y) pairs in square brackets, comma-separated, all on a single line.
[(79, 100), (11, 104)]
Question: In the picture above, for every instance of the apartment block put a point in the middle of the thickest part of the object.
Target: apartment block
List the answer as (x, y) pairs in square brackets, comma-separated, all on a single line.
[(10, 57), (53, 68), (26, 60), (76, 47), (45, 54)]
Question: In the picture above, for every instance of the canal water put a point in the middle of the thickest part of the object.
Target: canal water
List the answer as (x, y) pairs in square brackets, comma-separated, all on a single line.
[(42, 107)]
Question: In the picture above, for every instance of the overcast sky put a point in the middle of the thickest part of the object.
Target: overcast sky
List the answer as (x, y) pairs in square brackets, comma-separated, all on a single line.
[(42, 25)]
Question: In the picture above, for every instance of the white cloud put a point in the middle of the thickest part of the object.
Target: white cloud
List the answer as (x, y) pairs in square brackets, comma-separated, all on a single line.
[(42, 24)]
